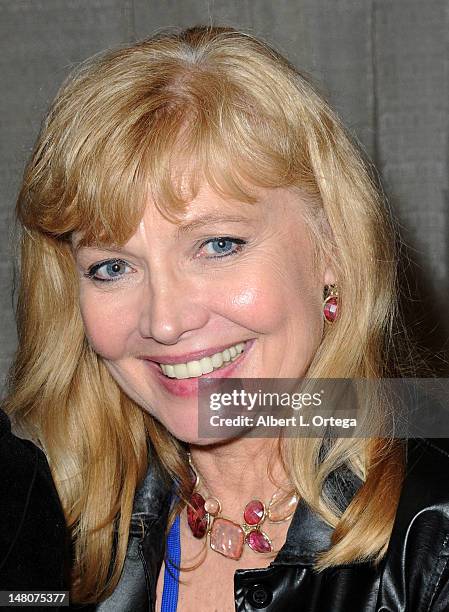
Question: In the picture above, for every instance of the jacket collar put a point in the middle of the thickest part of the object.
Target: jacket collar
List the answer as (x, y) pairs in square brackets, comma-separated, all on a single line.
[(308, 533), (150, 499)]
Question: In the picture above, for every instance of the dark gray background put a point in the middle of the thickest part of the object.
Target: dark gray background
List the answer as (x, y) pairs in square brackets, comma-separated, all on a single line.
[(382, 63)]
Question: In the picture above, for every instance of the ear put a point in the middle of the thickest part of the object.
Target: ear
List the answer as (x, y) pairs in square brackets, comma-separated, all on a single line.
[(329, 276)]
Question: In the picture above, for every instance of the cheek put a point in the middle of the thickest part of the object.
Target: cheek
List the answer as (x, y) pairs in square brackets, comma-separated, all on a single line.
[(266, 302), (107, 324)]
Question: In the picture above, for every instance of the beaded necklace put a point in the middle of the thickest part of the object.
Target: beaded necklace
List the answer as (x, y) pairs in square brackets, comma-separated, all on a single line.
[(228, 538)]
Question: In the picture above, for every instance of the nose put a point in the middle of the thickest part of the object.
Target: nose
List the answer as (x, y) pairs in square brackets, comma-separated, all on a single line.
[(172, 307)]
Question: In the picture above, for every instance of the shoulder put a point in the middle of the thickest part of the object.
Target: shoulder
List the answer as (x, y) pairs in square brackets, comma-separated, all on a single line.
[(425, 490), (33, 535), (416, 565), (23, 466), (426, 479)]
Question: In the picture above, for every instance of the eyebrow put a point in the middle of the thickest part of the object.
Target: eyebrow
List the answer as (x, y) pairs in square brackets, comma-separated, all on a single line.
[(98, 247), (183, 228), (210, 219)]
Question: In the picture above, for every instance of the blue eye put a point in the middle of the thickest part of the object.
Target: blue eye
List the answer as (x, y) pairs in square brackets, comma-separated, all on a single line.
[(109, 270), (223, 246)]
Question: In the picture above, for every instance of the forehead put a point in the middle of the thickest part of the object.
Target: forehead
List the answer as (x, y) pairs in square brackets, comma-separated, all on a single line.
[(209, 207), (210, 210)]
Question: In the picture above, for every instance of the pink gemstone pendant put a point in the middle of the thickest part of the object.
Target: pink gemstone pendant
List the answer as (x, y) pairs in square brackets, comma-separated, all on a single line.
[(330, 309), (196, 515), (282, 506), (227, 538), (254, 512), (258, 541), (212, 506)]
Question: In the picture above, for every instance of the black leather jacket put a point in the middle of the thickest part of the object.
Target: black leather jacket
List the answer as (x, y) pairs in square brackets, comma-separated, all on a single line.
[(413, 576), (34, 540)]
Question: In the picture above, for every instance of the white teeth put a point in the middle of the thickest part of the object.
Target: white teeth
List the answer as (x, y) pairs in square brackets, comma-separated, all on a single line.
[(169, 370), (194, 368), (205, 365), (217, 360), (180, 370)]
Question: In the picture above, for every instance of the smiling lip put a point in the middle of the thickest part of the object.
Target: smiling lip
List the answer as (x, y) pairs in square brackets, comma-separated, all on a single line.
[(193, 356), (188, 387)]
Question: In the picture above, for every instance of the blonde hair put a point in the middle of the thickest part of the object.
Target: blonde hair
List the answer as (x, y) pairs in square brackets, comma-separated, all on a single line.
[(238, 114)]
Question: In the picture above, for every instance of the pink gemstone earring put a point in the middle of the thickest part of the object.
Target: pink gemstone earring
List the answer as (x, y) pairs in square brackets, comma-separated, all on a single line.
[(330, 304)]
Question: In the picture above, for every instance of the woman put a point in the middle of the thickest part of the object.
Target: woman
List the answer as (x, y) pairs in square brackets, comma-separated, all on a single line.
[(190, 201)]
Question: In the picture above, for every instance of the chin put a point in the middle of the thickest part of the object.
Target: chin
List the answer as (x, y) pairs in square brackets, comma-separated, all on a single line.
[(188, 436)]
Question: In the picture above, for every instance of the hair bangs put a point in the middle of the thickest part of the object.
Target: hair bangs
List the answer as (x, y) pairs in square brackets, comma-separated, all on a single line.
[(231, 149), (156, 136)]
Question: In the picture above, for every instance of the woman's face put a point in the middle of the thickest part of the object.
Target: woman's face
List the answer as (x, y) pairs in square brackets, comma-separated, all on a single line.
[(230, 274)]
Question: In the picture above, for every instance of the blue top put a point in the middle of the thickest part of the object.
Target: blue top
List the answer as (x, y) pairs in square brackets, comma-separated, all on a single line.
[(171, 574)]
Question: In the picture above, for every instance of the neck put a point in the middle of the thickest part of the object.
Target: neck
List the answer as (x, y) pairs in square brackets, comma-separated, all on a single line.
[(238, 471)]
